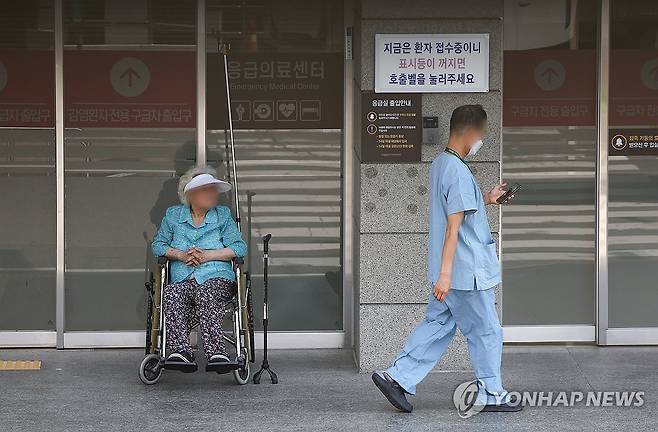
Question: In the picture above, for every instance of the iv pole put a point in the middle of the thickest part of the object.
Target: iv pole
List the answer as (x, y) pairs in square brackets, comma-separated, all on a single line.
[(222, 48)]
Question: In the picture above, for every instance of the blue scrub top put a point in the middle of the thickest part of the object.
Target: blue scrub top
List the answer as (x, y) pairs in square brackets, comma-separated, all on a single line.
[(453, 189)]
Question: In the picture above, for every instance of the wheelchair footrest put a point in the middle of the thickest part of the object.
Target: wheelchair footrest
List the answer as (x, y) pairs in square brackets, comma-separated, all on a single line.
[(181, 366), (223, 367)]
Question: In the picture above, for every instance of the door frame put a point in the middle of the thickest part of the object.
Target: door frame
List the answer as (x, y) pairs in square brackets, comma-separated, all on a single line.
[(603, 81)]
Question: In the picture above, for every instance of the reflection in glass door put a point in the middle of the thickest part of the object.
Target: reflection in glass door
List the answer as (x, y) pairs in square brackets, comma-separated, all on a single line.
[(286, 72), (633, 177), (294, 176), (27, 173), (549, 146), (129, 116)]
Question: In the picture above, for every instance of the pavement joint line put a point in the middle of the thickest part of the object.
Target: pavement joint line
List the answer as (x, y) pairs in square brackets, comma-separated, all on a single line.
[(580, 370)]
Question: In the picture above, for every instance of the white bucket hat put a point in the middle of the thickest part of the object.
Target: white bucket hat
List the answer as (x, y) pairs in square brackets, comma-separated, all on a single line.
[(207, 179)]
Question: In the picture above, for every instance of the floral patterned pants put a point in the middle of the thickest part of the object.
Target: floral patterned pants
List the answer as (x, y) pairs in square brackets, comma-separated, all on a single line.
[(187, 302)]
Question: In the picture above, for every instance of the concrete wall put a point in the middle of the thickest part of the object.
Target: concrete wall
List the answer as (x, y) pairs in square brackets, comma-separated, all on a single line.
[(391, 289)]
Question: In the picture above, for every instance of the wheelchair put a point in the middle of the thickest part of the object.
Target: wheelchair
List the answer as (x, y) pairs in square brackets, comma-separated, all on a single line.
[(241, 338)]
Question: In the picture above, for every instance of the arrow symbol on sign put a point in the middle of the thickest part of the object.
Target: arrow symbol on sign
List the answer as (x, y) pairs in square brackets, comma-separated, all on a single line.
[(130, 73), (550, 73)]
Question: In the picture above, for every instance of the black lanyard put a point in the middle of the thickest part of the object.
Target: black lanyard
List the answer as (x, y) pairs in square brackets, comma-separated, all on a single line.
[(455, 154)]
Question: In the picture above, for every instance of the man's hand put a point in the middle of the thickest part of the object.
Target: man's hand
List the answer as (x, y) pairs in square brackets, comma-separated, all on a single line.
[(442, 287), (494, 194)]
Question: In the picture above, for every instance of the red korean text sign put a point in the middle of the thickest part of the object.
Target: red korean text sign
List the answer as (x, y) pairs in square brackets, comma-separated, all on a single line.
[(129, 89)]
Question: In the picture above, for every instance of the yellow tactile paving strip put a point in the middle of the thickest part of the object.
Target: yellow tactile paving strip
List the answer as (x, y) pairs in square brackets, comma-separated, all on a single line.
[(6, 365)]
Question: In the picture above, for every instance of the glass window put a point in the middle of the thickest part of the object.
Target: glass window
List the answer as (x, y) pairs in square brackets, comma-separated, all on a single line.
[(130, 132), (286, 72), (128, 22), (27, 167), (549, 146)]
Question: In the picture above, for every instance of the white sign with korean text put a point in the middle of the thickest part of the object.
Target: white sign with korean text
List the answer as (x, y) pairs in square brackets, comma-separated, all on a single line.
[(431, 63)]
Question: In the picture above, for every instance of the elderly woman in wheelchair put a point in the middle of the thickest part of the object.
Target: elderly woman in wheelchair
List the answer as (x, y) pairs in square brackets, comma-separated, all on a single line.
[(199, 238)]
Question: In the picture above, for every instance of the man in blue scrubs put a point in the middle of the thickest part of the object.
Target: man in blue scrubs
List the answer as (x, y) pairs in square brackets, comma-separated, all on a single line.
[(463, 269)]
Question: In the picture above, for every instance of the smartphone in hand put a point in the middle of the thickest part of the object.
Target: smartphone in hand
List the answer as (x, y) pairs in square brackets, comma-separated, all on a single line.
[(507, 195)]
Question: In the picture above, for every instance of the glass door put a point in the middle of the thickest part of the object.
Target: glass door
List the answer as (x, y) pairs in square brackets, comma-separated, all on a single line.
[(27, 174), (130, 118), (633, 173), (286, 73), (549, 147)]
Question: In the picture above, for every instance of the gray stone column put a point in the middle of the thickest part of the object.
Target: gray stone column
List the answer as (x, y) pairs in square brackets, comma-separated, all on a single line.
[(391, 287)]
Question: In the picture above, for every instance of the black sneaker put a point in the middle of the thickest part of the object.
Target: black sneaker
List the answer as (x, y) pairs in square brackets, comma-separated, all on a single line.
[(393, 391), (218, 358), (181, 356), (220, 363), (513, 405), (182, 361)]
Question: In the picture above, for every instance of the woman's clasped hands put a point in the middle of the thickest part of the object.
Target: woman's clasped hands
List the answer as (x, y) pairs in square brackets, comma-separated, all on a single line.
[(194, 256)]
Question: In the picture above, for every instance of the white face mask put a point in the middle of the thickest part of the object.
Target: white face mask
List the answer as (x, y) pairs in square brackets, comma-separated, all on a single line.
[(475, 147)]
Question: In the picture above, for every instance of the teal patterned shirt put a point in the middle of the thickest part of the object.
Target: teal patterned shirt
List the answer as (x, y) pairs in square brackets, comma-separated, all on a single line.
[(217, 231)]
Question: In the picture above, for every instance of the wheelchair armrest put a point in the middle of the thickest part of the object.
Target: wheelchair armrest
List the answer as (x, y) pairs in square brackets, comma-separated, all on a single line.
[(162, 260), (237, 262)]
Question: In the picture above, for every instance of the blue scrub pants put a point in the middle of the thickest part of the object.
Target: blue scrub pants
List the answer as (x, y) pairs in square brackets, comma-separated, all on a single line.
[(474, 312)]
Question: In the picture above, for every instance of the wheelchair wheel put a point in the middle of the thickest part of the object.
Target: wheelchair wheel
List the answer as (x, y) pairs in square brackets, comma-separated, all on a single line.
[(150, 370), (242, 375)]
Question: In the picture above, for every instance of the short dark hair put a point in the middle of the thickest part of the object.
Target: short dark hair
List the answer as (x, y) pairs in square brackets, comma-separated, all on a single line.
[(467, 116)]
